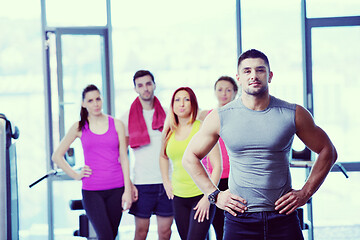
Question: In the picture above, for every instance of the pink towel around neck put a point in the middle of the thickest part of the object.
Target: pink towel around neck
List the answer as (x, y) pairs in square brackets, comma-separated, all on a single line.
[(138, 134)]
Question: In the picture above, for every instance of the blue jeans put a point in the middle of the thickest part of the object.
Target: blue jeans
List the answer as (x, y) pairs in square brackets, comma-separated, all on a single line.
[(262, 225)]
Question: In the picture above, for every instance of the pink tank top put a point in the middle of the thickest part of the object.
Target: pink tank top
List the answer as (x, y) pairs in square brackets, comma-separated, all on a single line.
[(101, 153), (225, 160)]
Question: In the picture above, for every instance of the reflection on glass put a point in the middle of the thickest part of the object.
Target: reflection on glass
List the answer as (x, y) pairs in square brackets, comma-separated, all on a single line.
[(187, 43), (274, 28), (332, 8), (68, 13), (54, 88), (336, 58), (81, 57), (22, 101), (336, 55)]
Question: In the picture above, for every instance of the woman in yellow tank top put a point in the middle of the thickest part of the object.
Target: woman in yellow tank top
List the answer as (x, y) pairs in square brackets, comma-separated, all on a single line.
[(193, 212)]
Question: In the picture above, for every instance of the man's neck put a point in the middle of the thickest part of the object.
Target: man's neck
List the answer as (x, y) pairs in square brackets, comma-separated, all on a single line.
[(147, 105), (256, 103)]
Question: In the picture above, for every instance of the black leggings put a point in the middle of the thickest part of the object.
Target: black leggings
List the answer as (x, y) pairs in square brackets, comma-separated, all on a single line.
[(103, 208), (218, 222), (184, 212)]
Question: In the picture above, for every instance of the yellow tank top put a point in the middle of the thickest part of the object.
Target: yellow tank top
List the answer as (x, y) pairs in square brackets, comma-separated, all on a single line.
[(182, 183)]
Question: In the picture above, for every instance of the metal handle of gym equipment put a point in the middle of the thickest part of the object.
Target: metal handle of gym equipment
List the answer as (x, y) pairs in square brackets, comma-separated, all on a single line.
[(342, 169), (50, 173)]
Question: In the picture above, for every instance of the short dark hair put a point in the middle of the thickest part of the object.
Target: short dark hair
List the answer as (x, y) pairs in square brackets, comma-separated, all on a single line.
[(228, 79), (142, 73), (253, 53)]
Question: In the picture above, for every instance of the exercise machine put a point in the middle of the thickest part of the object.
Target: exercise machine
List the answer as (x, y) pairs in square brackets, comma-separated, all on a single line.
[(9, 204), (85, 227)]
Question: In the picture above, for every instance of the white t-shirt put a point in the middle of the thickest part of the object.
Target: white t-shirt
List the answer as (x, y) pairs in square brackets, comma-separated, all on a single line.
[(145, 168)]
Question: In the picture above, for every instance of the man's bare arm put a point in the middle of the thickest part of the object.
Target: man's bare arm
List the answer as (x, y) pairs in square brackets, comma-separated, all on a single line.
[(318, 141), (200, 145)]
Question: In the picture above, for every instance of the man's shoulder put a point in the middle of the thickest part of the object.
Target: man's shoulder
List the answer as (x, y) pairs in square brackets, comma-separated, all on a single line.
[(236, 103), (277, 102)]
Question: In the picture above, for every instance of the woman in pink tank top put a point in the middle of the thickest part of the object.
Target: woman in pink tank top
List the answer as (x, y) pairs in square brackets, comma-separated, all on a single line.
[(225, 91), (106, 185)]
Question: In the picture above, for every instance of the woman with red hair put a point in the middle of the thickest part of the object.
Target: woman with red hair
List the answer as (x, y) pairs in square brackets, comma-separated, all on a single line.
[(192, 210)]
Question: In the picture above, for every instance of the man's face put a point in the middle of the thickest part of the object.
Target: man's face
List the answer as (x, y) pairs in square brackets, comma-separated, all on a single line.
[(145, 87), (254, 76)]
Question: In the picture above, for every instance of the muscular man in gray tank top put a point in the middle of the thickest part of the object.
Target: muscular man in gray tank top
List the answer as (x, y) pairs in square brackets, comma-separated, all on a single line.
[(258, 130), (259, 159)]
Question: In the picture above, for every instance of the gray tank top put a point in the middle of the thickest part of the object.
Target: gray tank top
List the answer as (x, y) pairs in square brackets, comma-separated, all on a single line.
[(259, 147)]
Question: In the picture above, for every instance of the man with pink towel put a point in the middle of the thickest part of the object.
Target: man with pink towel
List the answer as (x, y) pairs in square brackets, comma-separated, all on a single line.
[(143, 125)]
